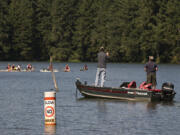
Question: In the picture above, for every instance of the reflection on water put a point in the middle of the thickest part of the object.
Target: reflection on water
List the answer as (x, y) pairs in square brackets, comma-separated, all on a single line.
[(168, 103), (49, 129), (101, 106), (151, 105)]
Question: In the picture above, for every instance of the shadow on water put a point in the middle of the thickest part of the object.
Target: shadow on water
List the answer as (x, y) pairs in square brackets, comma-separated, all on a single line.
[(105, 100), (153, 105)]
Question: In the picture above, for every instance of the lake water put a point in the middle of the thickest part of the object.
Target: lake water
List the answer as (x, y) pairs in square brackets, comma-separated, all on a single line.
[(22, 93)]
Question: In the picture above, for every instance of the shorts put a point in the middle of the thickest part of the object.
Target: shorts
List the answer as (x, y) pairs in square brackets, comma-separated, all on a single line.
[(151, 78)]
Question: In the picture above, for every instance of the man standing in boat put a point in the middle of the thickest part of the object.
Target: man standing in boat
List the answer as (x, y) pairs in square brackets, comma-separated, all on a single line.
[(151, 68), (101, 67)]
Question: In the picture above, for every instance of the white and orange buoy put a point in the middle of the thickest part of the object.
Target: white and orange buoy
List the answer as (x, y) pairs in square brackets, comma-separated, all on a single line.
[(49, 108)]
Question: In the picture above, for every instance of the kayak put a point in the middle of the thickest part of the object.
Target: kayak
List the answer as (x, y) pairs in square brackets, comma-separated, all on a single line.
[(46, 70), (22, 70)]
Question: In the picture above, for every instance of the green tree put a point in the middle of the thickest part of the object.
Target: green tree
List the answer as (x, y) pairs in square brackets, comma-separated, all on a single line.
[(62, 29), (20, 29), (168, 22), (43, 18)]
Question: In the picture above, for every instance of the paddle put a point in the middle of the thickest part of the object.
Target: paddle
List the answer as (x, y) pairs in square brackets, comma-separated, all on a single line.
[(53, 75)]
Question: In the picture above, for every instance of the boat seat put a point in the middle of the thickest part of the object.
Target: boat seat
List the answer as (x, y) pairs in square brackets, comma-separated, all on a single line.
[(142, 85), (146, 86), (124, 84), (132, 84)]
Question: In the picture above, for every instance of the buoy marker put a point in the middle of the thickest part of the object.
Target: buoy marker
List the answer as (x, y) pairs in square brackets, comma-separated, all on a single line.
[(49, 108)]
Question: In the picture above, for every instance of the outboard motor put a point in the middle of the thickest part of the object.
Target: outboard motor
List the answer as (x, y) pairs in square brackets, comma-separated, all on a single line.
[(78, 81), (168, 91)]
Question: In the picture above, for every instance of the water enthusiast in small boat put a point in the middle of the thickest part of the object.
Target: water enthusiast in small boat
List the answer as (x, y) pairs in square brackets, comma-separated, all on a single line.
[(151, 68), (67, 68), (13, 67), (50, 67), (84, 68), (9, 67), (101, 67), (29, 67)]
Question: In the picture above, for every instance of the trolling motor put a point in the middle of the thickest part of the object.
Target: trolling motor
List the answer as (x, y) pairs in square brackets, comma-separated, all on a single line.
[(168, 92)]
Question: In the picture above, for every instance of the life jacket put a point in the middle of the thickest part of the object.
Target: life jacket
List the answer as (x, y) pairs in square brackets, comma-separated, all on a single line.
[(67, 67), (9, 67)]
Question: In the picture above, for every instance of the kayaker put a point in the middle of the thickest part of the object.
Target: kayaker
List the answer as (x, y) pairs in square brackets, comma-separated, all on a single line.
[(67, 68), (18, 67), (13, 67), (9, 67), (29, 67), (85, 67), (101, 67), (151, 68), (50, 67)]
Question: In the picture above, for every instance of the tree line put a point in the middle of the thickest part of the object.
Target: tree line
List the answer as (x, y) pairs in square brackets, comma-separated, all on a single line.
[(74, 30)]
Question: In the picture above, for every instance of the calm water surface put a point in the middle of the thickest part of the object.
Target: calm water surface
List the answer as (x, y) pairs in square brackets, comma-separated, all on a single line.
[(21, 103)]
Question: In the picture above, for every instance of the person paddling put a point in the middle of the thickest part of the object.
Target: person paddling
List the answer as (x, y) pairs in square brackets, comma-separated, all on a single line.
[(9, 67), (67, 68), (29, 67), (50, 67), (18, 67), (85, 67)]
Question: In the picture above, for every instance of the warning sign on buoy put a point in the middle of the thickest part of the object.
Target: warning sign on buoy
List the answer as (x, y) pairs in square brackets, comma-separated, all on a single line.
[(49, 111), (49, 108)]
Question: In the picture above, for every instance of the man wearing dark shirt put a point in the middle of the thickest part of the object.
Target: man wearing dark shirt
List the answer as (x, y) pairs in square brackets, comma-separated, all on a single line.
[(151, 69), (101, 68)]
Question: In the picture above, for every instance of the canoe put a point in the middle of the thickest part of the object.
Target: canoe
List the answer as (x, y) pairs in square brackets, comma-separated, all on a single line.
[(22, 70), (82, 69), (46, 70), (66, 70), (127, 92)]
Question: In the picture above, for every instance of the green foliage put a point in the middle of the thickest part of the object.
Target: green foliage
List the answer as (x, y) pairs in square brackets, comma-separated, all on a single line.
[(20, 31), (73, 30), (4, 42)]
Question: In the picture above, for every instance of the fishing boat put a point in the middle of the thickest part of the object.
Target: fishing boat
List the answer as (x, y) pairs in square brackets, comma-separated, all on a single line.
[(128, 91)]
